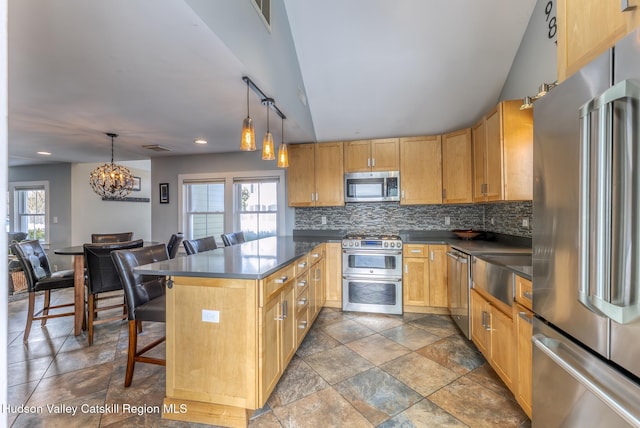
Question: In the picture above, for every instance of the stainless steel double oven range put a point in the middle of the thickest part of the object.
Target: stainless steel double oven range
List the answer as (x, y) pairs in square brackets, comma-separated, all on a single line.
[(372, 273)]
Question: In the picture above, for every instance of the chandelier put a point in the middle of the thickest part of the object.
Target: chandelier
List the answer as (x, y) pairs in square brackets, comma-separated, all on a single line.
[(111, 180)]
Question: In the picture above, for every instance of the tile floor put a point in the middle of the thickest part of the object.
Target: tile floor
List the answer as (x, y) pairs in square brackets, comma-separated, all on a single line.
[(352, 370)]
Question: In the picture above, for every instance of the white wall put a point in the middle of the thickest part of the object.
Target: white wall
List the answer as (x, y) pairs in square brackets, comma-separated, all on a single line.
[(90, 214)]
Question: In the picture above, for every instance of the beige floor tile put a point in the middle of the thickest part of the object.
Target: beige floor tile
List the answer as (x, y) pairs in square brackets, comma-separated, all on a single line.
[(423, 414), (338, 364), (410, 336), (347, 331), (419, 373), (378, 349)]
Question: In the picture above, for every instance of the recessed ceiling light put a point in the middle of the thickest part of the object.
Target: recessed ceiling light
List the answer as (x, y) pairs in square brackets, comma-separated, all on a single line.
[(200, 141), (44, 153)]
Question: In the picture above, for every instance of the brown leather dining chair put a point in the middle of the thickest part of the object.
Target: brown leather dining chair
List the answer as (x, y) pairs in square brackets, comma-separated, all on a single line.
[(97, 238), (102, 277), (145, 297), (194, 246), (35, 265), (174, 244), (232, 238)]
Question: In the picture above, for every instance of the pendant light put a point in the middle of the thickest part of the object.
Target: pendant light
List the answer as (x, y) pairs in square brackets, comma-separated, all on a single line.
[(111, 180), (283, 153), (248, 140), (267, 141)]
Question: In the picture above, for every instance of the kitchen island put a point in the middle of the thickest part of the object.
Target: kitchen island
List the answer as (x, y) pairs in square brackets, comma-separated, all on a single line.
[(235, 317)]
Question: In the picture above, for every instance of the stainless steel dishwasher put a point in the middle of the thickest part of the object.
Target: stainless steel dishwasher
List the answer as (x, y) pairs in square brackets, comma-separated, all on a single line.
[(458, 283)]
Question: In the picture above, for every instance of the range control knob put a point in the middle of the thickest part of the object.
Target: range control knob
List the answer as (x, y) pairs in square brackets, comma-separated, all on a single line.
[(357, 243), (393, 244), (386, 244), (350, 243)]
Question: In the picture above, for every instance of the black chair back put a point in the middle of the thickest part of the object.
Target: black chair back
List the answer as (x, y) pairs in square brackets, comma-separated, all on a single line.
[(194, 246), (174, 244), (34, 262), (102, 275), (140, 289), (97, 238), (16, 237), (232, 238)]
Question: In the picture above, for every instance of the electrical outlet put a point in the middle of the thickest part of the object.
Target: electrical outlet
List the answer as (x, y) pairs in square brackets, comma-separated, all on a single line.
[(447, 221), (493, 221), (525, 222), (55, 268), (324, 219), (210, 316)]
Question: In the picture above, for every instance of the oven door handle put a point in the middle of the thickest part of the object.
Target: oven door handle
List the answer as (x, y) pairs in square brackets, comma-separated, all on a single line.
[(372, 278), (372, 253)]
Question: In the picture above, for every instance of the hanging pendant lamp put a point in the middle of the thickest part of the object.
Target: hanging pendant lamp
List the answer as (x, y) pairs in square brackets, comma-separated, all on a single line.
[(111, 180), (267, 142), (248, 140), (283, 153)]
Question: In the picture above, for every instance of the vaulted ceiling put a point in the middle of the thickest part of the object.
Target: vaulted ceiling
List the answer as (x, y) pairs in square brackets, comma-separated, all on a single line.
[(169, 72)]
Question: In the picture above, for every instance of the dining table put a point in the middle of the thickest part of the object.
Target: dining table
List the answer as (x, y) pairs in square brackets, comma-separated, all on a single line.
[(77, 251)]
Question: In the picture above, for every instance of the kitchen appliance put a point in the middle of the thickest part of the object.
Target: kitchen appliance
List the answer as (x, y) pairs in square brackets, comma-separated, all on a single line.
[(380, 186), (586, 242), (458, 282), (372, 273)]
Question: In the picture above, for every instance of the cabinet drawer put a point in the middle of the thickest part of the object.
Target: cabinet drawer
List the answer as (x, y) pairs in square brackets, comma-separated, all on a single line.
[(274, 282), (524, 292), (302, 283), (302, 264), (302, 324), (316, 254), (302, 300), (415, 250)]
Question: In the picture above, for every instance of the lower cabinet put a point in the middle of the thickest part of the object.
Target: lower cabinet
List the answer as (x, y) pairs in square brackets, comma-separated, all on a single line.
[(524, 330), (424, 278), (333, 275), (492, 330)]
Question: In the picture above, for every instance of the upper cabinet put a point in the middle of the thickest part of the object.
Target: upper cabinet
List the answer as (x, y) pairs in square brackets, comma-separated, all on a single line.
[(315, 175), (372, 155), (421, 170), (457, 167), (503, 154), (586, 28)]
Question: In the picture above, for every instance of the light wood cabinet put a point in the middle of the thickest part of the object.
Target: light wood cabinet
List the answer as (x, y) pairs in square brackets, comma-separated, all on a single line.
[(524, 292), (457, 167), (503, 154), (372, 155), (524, 332), (493, 333), (315, 176), (333, 275), (424, 279), (586, 28), (421, 170)]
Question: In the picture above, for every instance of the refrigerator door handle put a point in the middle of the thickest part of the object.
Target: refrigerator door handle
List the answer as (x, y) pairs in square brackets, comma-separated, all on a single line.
[(596, 239), (569, 357)]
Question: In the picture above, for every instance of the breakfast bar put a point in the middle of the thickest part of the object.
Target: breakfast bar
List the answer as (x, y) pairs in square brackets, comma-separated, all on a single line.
[(235, 317)]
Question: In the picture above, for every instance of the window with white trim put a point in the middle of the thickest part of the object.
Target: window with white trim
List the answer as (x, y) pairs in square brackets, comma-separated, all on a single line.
[(30, 207), (213, 204)]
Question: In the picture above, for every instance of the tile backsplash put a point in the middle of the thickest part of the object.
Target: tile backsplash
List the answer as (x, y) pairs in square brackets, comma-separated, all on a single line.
[(391, 217)]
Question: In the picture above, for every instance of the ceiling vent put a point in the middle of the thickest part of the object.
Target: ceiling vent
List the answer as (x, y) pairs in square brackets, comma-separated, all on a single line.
[(156, 148), (264, 10)]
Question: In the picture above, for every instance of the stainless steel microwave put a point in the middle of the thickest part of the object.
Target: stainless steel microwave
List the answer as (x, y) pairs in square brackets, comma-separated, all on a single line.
[(379, 186)]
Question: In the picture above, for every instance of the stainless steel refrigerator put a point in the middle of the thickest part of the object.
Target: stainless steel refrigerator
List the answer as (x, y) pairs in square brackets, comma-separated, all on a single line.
[(586, 245)]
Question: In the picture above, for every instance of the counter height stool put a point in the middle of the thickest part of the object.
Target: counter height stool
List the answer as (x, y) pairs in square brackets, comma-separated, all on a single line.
[(35, 265), (97, 238), (145, 297), (102, 277), (233, 238), (174, 244), (194, 246)]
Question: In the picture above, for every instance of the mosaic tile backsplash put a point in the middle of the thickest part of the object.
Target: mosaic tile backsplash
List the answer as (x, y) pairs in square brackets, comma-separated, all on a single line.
[(391, 217)]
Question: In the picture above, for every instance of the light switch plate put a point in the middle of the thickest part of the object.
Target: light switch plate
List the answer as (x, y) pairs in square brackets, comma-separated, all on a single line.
[(210, 316)]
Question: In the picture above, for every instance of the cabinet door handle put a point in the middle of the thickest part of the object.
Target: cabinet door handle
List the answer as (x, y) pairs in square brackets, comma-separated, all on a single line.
[(302, 265), (312, 196), (302, 283), (302, 302), (285, 309), (403, 194), (373, 162), (281, 316), (406, 268), (525, 317), (444, 194), (432, 256), (369, 162), (315, 255), (282, 280), (416, 251), (527, 295), (624, 6), (302, 325), (316, 196)]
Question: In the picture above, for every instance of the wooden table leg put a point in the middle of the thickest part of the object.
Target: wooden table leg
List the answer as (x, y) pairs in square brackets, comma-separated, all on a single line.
[(78, 285)]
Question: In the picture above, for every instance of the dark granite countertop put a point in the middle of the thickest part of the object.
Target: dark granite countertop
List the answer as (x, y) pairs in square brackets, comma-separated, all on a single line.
[(250, 260)]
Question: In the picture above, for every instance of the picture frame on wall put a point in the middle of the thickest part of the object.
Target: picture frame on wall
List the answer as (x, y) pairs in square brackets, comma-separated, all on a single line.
[(136, 184), (164, 193)]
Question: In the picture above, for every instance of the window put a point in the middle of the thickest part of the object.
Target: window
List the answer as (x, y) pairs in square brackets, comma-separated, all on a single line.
[(263, 7), (30, 206), (213, 204), (204, 208), (257, 207)]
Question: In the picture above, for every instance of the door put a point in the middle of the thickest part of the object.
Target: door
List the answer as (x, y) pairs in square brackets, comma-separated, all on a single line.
[(625, 346), (555, 206)]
